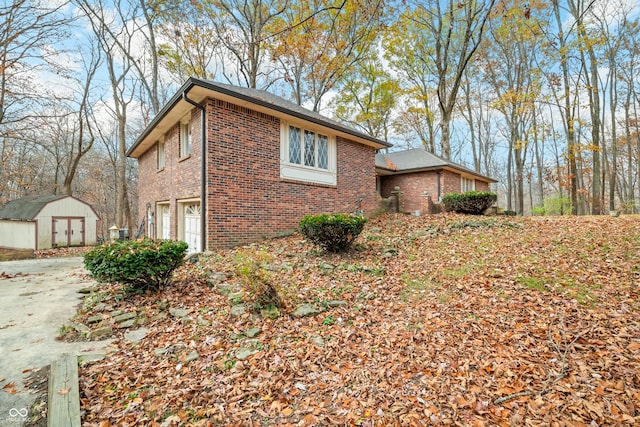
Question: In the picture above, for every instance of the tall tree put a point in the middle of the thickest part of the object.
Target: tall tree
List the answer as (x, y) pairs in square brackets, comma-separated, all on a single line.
[(367, 99), (319, 43), (566, 98), (457, 29), (116, 43), (588, 43), (243, 26), (510, 69), (27, 27), (416, 71)]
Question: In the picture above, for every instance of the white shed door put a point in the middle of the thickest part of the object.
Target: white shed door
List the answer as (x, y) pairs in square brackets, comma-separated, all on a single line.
[(192, 227)]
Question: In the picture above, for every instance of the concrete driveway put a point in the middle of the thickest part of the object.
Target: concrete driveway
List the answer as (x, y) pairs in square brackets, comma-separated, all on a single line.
[(37, 297)]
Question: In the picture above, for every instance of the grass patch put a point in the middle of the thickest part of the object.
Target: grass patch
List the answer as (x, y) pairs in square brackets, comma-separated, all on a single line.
[(535, 283)]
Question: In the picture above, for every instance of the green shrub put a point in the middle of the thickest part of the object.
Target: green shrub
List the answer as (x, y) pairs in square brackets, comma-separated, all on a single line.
[(538, 211), (510, 213), (334, 233), (558, 206), (139, 264), (471, 202), (258, 290)]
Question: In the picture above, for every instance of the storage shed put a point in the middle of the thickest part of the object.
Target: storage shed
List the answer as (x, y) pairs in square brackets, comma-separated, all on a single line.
[(43, 222)]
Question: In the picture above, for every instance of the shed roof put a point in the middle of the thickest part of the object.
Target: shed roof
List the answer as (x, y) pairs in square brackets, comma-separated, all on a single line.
[(419, 159), (198, 90), (26, 208)]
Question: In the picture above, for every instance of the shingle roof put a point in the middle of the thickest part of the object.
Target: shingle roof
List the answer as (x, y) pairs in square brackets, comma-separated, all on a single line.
[(259, 98), (416, 159), (26, 208)]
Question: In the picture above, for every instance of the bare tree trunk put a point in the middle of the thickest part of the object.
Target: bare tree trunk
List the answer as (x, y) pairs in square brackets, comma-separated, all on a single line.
[(568, 110)]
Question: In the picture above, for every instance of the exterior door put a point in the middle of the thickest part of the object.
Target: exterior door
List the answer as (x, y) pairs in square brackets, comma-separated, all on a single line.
[(166, 218), (67, 231), (192, 227)]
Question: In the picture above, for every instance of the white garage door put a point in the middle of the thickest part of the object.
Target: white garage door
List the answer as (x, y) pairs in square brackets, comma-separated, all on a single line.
[(192, 227)]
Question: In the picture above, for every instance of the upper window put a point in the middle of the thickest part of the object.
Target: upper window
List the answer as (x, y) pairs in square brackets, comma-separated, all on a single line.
[(467, 184), (185, 139), (308, 148), (161, 154), (307, 155)]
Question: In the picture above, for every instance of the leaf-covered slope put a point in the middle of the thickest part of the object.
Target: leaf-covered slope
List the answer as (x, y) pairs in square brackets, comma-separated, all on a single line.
[(449, 320)]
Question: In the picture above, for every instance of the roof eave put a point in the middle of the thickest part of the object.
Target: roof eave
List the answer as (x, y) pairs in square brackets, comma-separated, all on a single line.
[(139, 146), (435, 169)]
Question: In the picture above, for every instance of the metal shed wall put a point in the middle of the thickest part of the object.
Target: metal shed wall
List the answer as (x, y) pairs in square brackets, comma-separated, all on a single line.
[(66, 208), (18, 234)]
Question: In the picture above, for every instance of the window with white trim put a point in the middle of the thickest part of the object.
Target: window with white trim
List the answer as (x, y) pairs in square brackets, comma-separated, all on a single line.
[(161, 154), (307, 155), (467, 184), (185, 139)]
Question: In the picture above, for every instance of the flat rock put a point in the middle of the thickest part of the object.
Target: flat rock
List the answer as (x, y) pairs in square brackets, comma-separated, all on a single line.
[(216, 277), (305, 310), (95, 319), (252, 332), (193, 355), (235, 297), (238, 310), (80, 327), (244, 353), (180, 313), (124, 316), (335, 303), (126, 324), (136, 335), (101, 307), (87, 290), (104, 331)]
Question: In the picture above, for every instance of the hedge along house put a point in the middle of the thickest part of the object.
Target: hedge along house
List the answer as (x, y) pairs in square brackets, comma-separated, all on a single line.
[(267, 162), (416, 180), (43, 222)]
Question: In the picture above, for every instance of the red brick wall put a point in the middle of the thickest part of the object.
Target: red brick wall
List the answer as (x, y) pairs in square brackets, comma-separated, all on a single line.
[(451, 183), (482, 185), (246, 198), (413, 186), (179, 179)]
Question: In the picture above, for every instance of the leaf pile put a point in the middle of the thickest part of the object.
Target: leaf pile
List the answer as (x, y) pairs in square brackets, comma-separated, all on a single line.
[(525, 321)]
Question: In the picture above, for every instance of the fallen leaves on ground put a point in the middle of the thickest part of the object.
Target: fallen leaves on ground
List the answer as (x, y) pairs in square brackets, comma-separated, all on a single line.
[(449, 320)]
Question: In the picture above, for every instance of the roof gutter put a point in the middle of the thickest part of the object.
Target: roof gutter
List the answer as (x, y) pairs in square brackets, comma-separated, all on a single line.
[(203, 170)]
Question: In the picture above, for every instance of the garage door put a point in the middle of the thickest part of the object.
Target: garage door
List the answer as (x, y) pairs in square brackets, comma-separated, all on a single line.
[(192, 227)]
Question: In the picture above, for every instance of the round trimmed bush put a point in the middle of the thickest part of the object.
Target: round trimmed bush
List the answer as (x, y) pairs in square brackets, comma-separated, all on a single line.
[(140, 264), (332, 232), (471, 202)]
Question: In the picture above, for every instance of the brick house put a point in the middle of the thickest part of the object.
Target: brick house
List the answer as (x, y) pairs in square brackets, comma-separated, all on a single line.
[(268, 162), (418, 179)]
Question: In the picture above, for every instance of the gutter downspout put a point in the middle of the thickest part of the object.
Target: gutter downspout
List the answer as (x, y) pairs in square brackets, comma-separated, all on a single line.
[(203, 172), (439, 186)]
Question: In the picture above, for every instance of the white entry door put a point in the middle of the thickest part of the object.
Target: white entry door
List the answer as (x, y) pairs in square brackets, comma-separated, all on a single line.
[(192, 227), (165, 222)]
